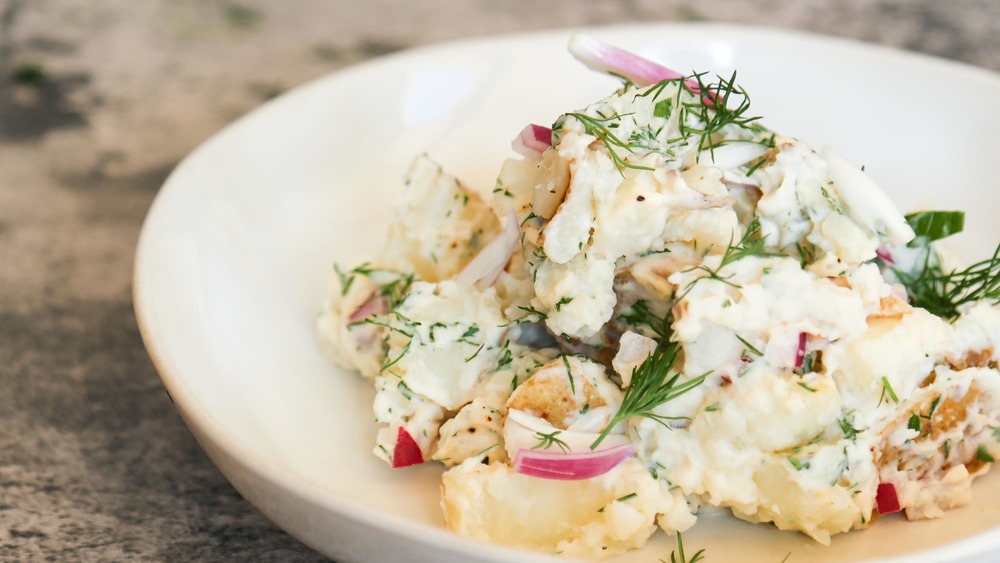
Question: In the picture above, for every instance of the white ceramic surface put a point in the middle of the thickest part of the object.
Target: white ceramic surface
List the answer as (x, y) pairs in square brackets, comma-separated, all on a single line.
[(237, 248)]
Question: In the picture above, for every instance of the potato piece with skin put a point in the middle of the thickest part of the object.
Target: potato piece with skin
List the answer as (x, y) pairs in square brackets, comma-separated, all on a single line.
[(794, 500), (771, 410), (863, 363), (593, 518), (439, 226), (568, 231), (477, 429), (943, 437), (560, 390)]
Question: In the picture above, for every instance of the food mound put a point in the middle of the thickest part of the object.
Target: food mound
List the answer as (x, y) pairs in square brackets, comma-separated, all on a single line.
[(664, 305)]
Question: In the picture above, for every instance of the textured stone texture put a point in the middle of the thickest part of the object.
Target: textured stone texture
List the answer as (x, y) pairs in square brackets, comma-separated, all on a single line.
[(98, 100)]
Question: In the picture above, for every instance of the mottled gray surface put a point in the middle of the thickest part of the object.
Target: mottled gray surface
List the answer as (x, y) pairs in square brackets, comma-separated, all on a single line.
[(98, 100)]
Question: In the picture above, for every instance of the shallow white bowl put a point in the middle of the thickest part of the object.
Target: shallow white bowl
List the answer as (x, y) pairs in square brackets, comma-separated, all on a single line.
[(237, 248)]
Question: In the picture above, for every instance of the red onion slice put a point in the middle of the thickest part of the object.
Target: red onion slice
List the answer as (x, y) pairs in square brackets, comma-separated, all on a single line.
[(375, 305), (532, 141), (885, 254), (570, 466), (603, 57), (800, 354), (407, 451), (600, 56), (886, 499), (484, 269)]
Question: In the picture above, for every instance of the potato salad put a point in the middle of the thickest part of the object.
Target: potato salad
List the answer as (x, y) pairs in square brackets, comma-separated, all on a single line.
[(663, 305)]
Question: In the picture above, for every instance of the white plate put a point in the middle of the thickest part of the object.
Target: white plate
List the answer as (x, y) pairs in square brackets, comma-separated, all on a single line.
[(236, 251)]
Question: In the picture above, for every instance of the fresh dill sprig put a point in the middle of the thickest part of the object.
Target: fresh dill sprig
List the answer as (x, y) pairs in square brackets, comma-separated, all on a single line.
[(653, 384), (679, 557), (546, 441), (943, 293), (750, 244), (394, 290), (600, 128), (713, 109), (847, 427)]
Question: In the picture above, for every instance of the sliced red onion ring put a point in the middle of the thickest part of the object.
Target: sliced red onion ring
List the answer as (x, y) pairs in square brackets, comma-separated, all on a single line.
[(532, 141), (886, 499), (570, 466), (407, 451), (571, 459), (800, 354), (885, 254), (603, 57), (484, 269)]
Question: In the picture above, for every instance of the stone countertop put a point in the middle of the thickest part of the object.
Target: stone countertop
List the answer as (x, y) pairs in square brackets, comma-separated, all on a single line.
[(99, 99)]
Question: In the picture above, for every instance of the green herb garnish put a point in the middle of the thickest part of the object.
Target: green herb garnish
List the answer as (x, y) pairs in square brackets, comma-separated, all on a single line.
[(930, 226), (679, 557), (887, 388), (652, 385), (942, 293), (798, 465), (847, 427), (546, 441), (601, 127)]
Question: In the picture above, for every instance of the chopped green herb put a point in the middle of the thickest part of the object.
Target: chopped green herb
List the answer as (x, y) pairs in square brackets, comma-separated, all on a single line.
[(798, 465), (914, 422), (806, 386), (750, 244), (569, 374), (476, 353), (407, 393), (505, 357), (847, 427), (626, 497), (887, 388), (600, 127), (930, 226), (679, 557), (663, 108), (753, 349), (983, 455), (934, 406), (652, 385), (546, 441)]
